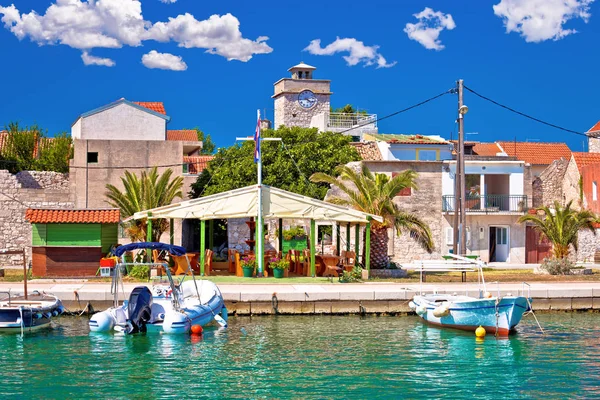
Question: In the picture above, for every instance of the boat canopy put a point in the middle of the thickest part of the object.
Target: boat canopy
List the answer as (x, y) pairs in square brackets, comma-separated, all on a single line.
[(172, 249), (241, 203)]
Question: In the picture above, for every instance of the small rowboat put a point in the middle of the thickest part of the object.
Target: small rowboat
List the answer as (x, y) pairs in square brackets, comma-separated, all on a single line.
[(19, 313), (496, 314)]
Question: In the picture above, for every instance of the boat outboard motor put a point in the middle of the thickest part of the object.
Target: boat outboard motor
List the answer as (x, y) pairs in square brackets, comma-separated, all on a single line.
[(139, 307)]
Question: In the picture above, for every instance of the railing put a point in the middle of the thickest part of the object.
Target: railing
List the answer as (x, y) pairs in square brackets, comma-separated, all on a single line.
[(336, 121), (491, 203)]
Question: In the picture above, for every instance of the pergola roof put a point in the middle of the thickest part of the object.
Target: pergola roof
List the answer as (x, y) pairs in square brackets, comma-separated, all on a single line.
[(242, 203)]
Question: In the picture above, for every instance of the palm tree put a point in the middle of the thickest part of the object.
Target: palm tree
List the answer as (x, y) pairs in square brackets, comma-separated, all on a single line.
[(561, 225), (374, 194), (143, 193)]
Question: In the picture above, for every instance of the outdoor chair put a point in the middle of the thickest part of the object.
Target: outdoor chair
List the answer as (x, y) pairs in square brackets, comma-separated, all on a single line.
[(208, 262), (348, 260), (231, 260), (294, 257), (181, 265), (305, 263)]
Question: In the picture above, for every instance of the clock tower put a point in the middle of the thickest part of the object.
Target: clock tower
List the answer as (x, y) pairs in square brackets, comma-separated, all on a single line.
[(299, 98)]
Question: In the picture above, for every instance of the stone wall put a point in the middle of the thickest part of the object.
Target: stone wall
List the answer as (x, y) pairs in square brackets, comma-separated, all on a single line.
[(24, 190), (548, 187), (587, 244), (593, 145), (570, 185)]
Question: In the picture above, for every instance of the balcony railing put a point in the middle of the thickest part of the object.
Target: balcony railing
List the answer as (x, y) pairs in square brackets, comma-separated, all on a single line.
[(491, 203)]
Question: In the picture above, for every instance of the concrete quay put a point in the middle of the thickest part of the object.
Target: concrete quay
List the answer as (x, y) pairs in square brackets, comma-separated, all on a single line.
[(367, 297)]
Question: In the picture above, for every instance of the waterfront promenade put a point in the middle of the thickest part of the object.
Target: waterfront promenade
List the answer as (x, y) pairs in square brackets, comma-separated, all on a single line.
[(318, 298)]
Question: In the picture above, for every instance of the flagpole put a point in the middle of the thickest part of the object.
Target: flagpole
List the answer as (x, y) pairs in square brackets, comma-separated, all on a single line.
[(259, 228)]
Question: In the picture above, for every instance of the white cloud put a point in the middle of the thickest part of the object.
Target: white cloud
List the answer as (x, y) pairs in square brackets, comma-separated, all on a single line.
[(357, 50), (158, 60), (540, 20), (90, 24), (89, 59), (168, 1), (427, 30), (218, 35)]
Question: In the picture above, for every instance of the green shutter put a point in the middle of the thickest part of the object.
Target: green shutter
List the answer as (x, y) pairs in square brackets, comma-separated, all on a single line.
[(87, 235), (110, 234), (38, 235)]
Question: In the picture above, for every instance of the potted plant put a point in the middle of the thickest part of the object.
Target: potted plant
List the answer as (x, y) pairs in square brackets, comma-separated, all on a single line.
[(294, 239), (248, 266), (278, 266)]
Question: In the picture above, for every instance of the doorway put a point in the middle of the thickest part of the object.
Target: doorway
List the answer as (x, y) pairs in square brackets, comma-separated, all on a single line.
[(499, 246)]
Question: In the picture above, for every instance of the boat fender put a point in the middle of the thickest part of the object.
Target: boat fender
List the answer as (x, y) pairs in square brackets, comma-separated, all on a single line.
[(54, 313), (441, 311), (420, 310), (61, 309), (487, 295), (412, 305), (37, 315), (48, 315)]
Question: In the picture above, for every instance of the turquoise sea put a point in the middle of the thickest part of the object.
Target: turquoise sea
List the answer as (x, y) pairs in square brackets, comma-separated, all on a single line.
[(325, 357)]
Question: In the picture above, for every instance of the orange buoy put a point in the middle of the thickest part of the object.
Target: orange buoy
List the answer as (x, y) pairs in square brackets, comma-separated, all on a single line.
[(196, 329)]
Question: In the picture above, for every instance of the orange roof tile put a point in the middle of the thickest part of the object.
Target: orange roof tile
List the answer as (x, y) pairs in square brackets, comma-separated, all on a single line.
[(583, 159), (156, 106), (595, 128), (368, 151), (49, 216), (186, 135), (536, 153), (486, 149), (197, 164)]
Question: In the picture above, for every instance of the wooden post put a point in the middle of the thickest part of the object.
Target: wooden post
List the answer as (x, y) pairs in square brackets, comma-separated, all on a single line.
[(25, 273), (348, 237), (368, 245), (149, 237), (211, 234), (313, 242), (337, 239), (357, 240), (280, 236), (171, 231), (202, 245)]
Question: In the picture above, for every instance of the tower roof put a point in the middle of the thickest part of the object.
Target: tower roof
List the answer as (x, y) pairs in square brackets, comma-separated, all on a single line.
[(302, 66)]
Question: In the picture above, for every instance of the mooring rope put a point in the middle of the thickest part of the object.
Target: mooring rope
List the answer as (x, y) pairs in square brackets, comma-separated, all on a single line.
[(534, 316)]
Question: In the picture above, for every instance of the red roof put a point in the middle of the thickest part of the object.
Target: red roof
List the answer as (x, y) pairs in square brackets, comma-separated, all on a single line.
[(536, 153), (186, 135), (48, 216), (156, 106), (486, 149), (368, 151), (595, 128), (197, 164), (583, 159)]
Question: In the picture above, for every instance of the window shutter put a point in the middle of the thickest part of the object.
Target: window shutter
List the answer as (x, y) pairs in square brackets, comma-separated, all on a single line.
[(450, 236)]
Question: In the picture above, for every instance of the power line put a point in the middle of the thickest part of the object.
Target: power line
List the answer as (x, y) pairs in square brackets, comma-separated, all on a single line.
[(400, 111), (523, 114)]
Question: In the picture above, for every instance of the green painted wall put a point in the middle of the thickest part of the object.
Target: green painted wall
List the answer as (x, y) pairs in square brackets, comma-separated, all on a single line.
[(110, 234), (73, 235), (38, 234)]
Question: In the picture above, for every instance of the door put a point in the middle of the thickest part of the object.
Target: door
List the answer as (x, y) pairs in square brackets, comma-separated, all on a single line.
[(499, 246), (537, 247)]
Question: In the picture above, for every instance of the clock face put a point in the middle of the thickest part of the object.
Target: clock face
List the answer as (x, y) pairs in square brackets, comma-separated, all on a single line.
[(307, 99)]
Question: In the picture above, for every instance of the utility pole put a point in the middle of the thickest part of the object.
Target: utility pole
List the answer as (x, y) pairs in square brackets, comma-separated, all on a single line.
[(462, 110), (456, 200)]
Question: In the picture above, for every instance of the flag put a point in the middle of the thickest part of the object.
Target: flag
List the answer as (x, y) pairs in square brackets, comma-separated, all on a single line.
[(257, 139)]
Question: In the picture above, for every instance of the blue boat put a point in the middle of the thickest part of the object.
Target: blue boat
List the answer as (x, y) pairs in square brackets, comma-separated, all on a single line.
[(498, 315)]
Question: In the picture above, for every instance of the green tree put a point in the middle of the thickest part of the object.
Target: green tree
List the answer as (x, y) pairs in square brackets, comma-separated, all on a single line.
[(303, 149), (149, 190), (374, 194), (561, 225), (208, 146), (18, 153), (347, 109), (55, 153)]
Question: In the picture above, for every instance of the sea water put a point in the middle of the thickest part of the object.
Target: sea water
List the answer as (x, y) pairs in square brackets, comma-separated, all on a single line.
[(330, 357)]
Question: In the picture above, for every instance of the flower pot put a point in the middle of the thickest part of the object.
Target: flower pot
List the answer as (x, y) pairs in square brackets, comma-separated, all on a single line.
[(248, 272), (278, 272)]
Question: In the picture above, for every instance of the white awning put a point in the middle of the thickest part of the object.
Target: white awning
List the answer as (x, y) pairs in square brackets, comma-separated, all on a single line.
[(242, 203)]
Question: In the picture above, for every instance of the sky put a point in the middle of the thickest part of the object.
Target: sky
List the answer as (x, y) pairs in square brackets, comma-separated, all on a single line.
[(213, 64)]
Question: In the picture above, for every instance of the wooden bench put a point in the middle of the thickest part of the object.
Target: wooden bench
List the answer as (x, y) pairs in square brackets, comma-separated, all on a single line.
[(424, 266)]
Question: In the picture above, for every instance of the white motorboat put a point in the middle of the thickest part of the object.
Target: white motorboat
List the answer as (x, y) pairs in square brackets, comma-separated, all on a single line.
[(172, 308), (498, 315)]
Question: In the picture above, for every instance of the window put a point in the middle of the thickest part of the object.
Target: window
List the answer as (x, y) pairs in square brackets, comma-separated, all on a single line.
[(92, 157), (501, 235), (427, 155), (594, 191)]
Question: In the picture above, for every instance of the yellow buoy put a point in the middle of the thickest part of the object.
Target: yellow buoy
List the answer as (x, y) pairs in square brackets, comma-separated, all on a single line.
[(480, 332)]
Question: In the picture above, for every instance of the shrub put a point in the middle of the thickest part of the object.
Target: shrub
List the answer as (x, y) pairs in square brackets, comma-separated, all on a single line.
[(557, 266), (139, 272), (295, 232), (248, 262), (352, 276)]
